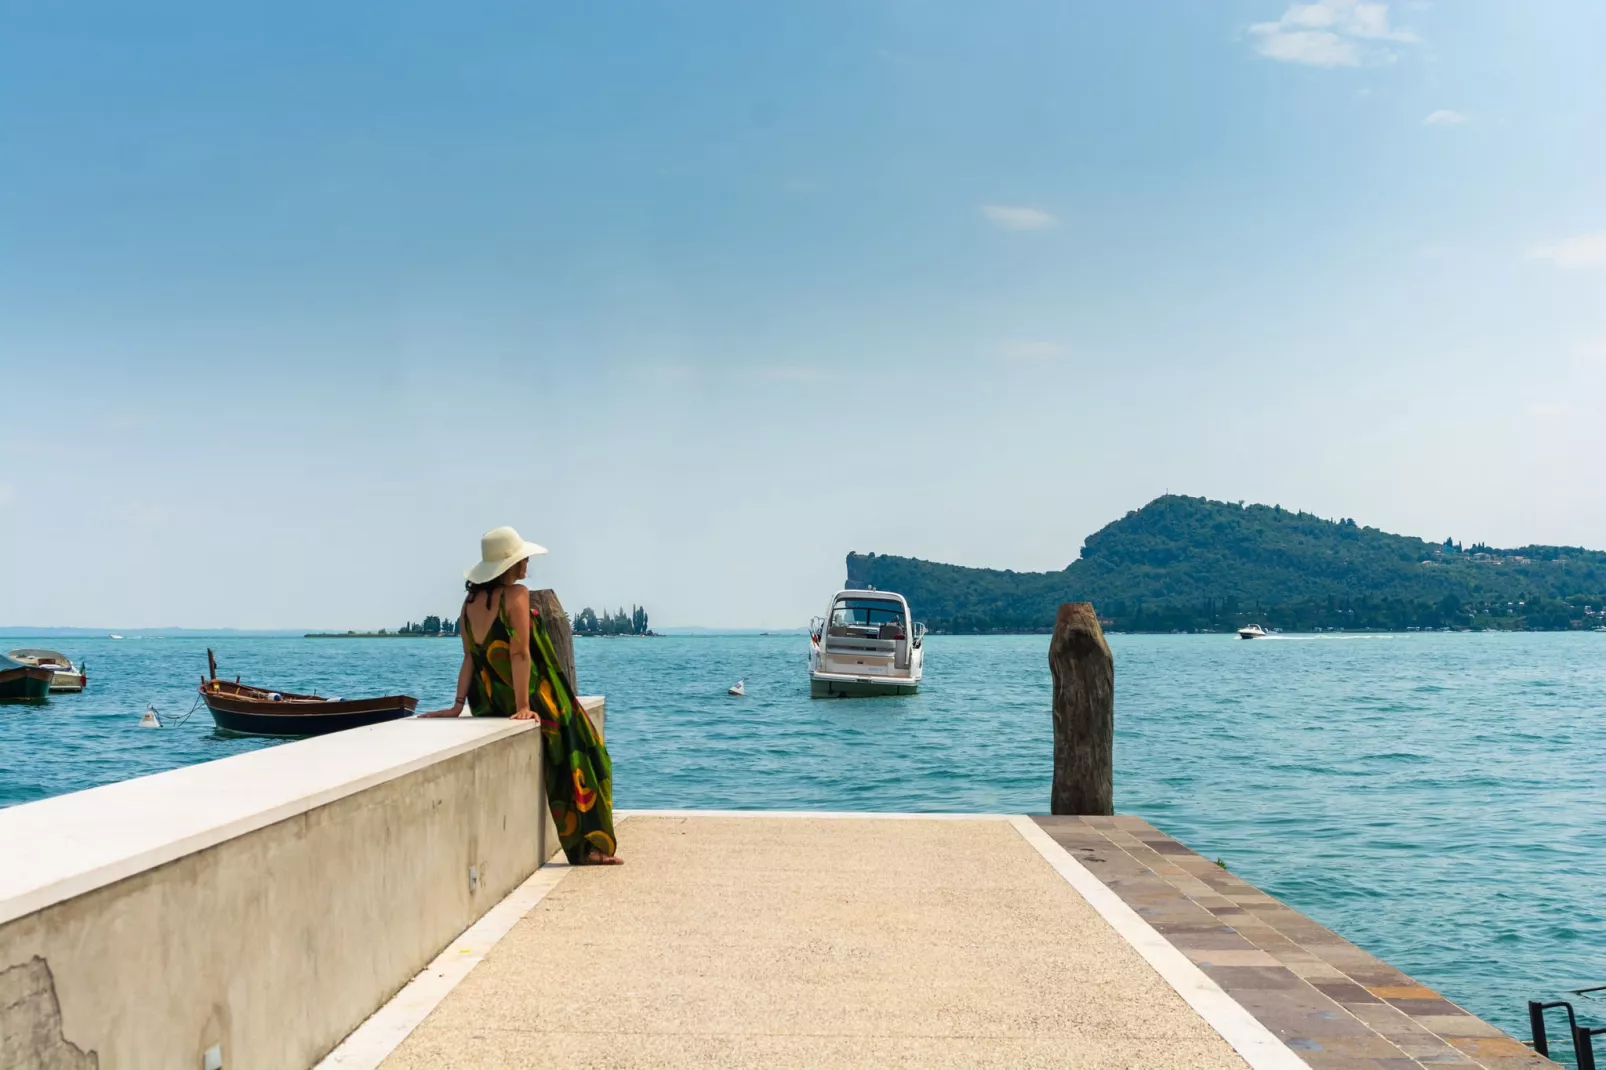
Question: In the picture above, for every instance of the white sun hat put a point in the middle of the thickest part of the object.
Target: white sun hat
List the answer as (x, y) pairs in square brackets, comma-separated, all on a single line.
[(500, 550)]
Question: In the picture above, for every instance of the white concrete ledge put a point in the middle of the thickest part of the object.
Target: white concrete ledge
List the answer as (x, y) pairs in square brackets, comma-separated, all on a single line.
[(263, 904), (72, 844)]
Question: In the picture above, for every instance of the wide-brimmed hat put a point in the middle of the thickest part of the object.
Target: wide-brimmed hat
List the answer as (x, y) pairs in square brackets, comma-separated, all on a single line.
[(500, 550)]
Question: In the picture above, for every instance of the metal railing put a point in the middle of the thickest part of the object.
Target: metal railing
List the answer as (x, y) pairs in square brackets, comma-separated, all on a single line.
[(1582, 1036)]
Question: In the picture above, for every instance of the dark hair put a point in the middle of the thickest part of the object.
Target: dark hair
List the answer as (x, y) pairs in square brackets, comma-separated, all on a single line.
[(474, 589)]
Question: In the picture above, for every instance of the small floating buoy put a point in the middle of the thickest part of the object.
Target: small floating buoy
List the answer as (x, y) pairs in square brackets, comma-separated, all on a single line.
[(150, 720), (738, 689)]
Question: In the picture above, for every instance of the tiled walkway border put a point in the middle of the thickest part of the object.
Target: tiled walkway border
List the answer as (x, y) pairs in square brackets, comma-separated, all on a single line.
[(1260, 1048), (1339, 1007), (384, 1031)]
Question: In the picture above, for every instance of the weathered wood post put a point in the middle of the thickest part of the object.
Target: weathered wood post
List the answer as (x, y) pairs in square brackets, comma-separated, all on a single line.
[(560, 631), (1084, 713)]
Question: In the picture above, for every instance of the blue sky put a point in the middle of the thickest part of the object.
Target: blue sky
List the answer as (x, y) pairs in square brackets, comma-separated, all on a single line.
[(297, 299)]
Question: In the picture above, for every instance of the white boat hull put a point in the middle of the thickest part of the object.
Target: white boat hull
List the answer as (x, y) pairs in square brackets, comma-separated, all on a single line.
[(67, 681), (839, 685)]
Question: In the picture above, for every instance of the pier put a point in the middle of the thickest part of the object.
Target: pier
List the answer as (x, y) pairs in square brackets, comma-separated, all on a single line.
[(383, 897)]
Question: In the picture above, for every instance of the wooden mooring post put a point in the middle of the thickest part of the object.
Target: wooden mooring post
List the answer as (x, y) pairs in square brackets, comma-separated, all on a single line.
[(559, 629), (1084, 713)]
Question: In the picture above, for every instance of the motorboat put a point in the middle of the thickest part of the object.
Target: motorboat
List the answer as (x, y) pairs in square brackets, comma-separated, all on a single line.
[(866, 644), (1252, 631), (66, 676), (22, 681), (256, 711)]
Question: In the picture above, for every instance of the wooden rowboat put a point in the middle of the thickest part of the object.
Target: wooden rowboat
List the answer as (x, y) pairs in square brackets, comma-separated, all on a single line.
[(24, 681), (257, 711)]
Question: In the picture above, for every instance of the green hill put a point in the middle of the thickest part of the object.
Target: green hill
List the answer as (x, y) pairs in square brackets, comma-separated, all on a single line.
[(1191, 564)]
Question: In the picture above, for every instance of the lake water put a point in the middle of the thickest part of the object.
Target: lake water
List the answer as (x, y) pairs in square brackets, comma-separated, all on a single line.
[(1436, 798)]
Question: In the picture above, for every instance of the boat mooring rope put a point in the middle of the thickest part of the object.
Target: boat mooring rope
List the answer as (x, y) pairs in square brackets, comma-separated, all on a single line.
[(163, 724)]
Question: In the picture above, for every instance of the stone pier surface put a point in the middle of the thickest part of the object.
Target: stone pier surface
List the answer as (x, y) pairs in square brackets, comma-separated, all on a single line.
[(906, 941), (1327, 999)]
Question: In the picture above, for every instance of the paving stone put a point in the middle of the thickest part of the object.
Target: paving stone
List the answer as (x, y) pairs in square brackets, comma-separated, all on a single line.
[(1337, 1004)]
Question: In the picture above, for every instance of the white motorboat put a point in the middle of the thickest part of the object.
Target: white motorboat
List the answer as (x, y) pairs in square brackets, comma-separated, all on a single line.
[(866, 644), (68, 677), (1252, 631)]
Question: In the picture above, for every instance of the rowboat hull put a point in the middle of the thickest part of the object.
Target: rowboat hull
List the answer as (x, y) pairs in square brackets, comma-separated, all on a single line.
[(26, 682), (69, 677), (250, 716)]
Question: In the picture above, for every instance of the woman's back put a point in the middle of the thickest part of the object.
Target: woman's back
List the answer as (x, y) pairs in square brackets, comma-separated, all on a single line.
[(490, 633)]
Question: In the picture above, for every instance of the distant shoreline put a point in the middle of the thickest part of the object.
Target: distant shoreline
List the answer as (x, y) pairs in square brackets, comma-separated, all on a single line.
[(379, 635)]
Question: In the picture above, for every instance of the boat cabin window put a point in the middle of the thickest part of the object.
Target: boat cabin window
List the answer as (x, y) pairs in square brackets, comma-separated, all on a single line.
[(868, 618)]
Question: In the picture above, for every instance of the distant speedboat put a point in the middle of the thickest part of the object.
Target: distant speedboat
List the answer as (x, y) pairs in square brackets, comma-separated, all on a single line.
[(68, 677), (113, 635), (866, 644), (1253, 631)]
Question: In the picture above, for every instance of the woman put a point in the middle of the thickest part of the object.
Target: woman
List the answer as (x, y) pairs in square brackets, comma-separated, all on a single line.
[(508, 662)]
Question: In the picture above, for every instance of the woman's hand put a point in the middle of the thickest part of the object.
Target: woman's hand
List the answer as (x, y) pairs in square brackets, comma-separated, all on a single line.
[(455, 710), (525, 714)]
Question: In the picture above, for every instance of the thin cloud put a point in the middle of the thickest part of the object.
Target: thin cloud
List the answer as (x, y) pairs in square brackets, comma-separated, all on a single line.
[(1446, 117), (791, 373), (662, 372), (1331, 33), (1574, 254), (1591, 355), (1031, 351), (1019, 217)]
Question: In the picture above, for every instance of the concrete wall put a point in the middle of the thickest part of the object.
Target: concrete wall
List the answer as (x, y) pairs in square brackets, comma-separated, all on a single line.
[(275, 930)]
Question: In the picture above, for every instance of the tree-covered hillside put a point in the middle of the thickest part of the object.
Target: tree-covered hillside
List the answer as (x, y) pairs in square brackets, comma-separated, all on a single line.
[(1193, 564)]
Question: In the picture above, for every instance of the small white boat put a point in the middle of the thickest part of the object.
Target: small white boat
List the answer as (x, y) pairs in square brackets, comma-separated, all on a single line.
[(1253, 631), (68, 677), (866, 644), (113, 635), (739, 688)]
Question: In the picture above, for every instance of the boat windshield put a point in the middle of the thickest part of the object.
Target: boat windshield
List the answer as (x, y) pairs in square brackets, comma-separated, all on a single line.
[(866, 616)]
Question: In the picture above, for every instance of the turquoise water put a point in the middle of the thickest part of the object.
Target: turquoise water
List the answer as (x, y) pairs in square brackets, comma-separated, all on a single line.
[(1437, 799)]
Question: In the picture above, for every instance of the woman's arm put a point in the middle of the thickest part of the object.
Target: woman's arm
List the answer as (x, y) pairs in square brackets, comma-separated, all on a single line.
[(464, 674), (518, 611)]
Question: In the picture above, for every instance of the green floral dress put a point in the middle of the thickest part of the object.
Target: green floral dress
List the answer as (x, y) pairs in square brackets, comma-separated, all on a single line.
[(579, 776)]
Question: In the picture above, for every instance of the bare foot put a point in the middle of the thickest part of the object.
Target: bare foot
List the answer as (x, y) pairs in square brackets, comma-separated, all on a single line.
[(595, 857)]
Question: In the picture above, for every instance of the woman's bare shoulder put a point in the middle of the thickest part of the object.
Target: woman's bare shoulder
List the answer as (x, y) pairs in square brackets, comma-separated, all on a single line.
[(518, 596)]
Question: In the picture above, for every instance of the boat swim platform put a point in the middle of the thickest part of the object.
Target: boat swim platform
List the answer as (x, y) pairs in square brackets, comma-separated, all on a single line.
[(753, 939)]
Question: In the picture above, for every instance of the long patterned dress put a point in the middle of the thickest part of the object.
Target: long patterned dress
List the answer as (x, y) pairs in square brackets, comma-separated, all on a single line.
[(579, 776)]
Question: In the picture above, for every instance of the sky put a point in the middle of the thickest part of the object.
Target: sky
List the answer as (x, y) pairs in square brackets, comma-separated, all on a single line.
[(297, 299)]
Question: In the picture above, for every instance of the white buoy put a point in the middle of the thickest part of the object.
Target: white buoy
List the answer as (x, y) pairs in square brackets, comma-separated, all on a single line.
[(738, 689), (150, 720)]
